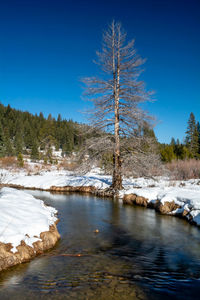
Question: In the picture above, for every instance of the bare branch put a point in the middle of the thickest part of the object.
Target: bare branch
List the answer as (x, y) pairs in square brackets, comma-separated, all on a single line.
[(116, 99)]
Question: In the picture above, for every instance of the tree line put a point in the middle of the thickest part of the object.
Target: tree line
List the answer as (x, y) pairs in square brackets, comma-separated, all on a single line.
[(25, 133), (189, 148)]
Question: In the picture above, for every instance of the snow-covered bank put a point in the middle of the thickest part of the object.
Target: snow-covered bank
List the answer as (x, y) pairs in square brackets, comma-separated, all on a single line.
[(45, 180), (180, 198), (23, 219), (185, 195)]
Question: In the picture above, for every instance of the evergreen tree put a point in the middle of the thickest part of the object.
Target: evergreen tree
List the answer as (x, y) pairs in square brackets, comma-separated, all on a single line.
[(34, 150), (64, 149), (20, 160), (198, 130), (19, 130), (8, 144), (167, 153), (49, 118), (192, 136), (18, 143), (48, 153), (148, 131), (41, 116), (59, 119), (2, 146), (173, 142)]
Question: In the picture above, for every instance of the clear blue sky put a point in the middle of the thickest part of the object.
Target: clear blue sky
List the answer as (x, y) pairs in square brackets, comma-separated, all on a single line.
[(47, 46)]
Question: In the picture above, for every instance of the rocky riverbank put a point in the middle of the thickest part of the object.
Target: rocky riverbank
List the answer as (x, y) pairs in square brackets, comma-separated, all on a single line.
[(25, 253), (163, 207), (167, 208), (178, 198), (27, 227)]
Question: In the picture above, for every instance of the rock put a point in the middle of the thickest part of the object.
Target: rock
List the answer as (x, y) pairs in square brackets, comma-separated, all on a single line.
[(141, 201), (129, 199), (134, 199), (167, 207), (185, 213), (24, 252)]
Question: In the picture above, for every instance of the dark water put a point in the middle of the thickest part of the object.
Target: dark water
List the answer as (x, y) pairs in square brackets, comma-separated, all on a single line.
[(137, 254)]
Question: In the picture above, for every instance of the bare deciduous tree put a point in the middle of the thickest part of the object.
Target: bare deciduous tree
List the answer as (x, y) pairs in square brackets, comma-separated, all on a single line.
[(117, 94)]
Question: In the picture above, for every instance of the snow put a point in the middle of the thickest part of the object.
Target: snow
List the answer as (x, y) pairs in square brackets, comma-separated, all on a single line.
[(184, 193), (57, 178), (23, 218), (195, 214)]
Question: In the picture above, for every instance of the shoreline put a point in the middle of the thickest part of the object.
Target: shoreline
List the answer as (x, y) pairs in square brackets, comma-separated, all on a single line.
[(180, 199), (26, 253), (27, 227), (48, 239), (169, 208)]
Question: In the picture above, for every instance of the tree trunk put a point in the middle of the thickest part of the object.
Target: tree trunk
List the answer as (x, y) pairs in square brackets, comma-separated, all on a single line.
[(117, 176)]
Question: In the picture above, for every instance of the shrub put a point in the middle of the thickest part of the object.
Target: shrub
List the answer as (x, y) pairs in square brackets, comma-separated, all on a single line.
[(184, 169), (66, 165), (8, 162), (20, 160)]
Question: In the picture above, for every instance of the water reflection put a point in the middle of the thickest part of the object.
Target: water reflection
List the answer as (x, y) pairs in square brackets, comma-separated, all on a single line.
[(137, 254)]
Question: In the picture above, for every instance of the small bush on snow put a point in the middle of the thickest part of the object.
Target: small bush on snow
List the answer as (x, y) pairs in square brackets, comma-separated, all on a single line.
[(184, 169)]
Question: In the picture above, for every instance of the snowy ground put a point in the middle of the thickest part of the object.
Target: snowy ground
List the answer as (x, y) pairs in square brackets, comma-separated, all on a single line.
[(55, 178), (22, 217), (185, 193)]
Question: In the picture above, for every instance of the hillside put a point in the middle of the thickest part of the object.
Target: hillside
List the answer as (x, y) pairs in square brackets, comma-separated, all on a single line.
[(25, 133)]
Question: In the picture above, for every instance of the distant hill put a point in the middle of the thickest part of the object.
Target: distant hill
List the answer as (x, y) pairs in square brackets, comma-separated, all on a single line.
[(25, 133)]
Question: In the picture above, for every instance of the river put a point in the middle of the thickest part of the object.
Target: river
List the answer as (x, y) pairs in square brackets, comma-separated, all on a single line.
[(137, 254)]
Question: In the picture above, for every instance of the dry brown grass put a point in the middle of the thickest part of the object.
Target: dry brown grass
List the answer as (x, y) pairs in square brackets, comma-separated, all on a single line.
[(11, 163), (8, 162), (184, 169), (66, 165)]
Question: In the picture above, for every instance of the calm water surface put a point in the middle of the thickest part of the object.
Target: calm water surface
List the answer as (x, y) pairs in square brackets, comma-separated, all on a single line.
[(137, 254)]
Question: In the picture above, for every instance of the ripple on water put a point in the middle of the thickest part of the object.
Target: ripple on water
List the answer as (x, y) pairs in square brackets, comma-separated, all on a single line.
[(137, 254)]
